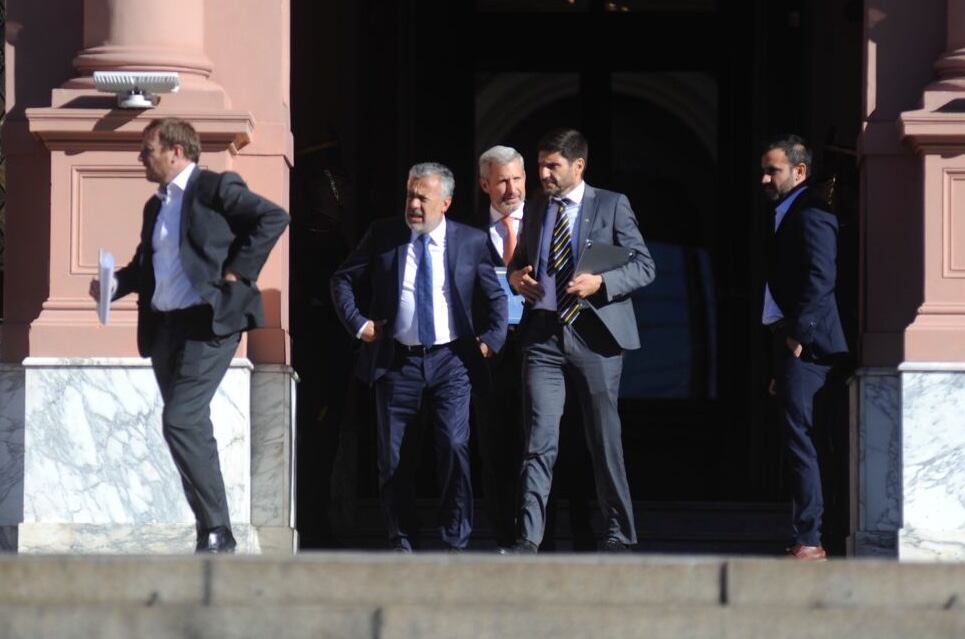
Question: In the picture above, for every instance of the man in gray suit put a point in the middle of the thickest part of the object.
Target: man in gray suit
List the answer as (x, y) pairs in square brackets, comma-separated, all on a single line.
[(580, 324)]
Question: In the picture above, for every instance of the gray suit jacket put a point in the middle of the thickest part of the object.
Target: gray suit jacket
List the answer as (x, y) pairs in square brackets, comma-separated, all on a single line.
[(605, 217)]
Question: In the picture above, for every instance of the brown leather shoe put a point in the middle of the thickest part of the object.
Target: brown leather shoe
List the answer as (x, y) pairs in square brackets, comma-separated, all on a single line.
[(807, 553)]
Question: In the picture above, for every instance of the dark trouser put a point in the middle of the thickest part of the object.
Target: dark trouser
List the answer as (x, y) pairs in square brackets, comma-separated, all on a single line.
[(189, 364), (548, 349), (439, 377), (802, 386), (498, 431)]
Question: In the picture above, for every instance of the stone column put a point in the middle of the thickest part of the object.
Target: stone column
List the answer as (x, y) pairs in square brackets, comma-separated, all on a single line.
[(147, 35), (909, 444), (951, 66)]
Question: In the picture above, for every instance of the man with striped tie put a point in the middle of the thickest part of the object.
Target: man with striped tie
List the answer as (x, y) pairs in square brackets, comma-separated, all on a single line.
[(580, 324)]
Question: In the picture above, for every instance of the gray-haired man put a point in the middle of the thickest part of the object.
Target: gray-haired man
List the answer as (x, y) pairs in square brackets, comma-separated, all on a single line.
[(422, 343), (498, 414)]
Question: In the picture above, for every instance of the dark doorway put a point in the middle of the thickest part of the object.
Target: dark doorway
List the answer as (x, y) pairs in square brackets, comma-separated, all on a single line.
[(675, 103)]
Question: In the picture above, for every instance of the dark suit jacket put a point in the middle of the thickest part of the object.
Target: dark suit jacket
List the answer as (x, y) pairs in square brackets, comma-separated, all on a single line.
[(802, 269), (368, 285), (605, 217), (224, 226)]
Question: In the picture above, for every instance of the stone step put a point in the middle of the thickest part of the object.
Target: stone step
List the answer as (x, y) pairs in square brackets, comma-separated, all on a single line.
[(470, 621), (432, 579)]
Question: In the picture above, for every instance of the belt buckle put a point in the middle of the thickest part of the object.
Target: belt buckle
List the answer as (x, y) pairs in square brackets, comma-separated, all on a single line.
[(412, 349)]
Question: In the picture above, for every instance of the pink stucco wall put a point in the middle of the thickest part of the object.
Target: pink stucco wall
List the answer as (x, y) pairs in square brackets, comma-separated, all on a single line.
[(902, 42)]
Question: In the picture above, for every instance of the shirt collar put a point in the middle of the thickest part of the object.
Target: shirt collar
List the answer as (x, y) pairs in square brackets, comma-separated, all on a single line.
[(786, 203), (495, 216), (180, 182), (436, 235), (576, 195)]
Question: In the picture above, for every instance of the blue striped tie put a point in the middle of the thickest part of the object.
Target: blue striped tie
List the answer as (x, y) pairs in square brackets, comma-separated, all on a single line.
[(561, 264), (423, 293)]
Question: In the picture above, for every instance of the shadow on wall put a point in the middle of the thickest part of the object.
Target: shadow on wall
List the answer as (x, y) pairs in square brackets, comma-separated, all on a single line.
[(12, 411), (44, 50)]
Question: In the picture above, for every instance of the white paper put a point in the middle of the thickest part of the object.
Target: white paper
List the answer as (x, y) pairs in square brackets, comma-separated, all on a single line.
[(106, 277)]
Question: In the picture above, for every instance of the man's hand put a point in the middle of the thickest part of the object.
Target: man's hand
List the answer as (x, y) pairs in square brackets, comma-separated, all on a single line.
[(525, 285), (95, 289), (772, 387), (794, 346), (372, 331), (584, 285), (484, 349), (230, 277)]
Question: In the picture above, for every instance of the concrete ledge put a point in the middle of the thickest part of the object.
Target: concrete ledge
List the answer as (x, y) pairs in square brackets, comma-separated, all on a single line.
[(388, 579), (647, 623), (105, 579), (482, 579), (845, 584), (469, 622), (136, 539), (178, 622)]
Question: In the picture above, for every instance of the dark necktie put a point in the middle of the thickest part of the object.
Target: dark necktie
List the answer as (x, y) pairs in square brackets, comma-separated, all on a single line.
[(423, 293), (561, 265)]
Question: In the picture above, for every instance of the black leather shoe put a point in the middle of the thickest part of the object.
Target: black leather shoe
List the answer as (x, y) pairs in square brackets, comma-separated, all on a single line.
[(523, 547), (615, 545), (400, 545), (217, 540)]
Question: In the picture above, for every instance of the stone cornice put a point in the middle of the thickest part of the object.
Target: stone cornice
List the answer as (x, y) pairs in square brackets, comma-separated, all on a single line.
[(61, 128), (932, 131)]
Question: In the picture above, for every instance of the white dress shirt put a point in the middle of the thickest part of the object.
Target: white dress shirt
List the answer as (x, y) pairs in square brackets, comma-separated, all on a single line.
[(497, 230), (172, 288), (772, 312), (406, 329), (548, 282)]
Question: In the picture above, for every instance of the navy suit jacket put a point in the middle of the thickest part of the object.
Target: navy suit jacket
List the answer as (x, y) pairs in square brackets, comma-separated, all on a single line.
[(368, 286), (224, 227), (802, 271), (605, 217)]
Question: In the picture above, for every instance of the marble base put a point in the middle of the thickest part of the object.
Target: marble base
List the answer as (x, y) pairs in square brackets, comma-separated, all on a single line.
[(8, 539), (933, 462), (917, 544), (273, 446), (11, 452), (97, 475), (875, 462), (908, 463), (146, 539)]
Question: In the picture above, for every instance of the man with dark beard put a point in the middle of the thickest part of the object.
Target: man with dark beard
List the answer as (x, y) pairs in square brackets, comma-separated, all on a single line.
[(801, 314), (575, 323)]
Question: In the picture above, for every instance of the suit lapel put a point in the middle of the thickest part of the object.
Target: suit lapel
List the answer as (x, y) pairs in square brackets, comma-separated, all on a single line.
[(187, 200), (401, 248), (587, 218), (451, 241), (534, 233)]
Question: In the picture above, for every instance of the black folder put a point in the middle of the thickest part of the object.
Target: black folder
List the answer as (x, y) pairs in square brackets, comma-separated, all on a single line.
[(597, 257)]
